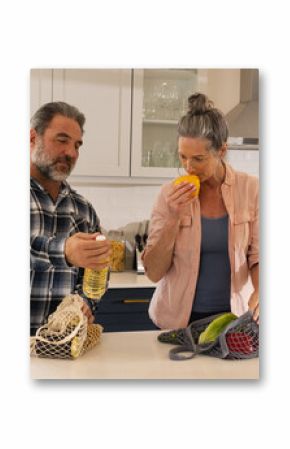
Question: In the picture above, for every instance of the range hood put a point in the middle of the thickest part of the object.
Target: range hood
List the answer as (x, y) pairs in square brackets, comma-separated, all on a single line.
[(243, 119)]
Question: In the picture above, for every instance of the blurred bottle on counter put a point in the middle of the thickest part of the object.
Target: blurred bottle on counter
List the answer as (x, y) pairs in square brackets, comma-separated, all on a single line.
[(95, 281)]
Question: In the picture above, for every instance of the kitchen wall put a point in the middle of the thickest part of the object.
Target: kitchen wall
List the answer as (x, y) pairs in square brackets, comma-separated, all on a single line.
[(117, 205), (221, 86), (120, 204)]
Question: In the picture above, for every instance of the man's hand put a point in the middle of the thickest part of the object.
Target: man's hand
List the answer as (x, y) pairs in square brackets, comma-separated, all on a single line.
[(88, 313), (82, 250)]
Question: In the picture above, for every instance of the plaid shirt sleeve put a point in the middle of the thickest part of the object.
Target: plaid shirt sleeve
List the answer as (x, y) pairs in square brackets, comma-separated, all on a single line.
[(46, 252), (51, 224)]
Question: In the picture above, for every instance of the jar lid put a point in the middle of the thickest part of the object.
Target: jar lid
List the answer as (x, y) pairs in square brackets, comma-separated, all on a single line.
[(100, 238)]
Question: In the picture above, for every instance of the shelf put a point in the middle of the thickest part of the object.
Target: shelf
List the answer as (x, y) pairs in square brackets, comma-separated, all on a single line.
[(84, 181), (160, 122), (171, 74), (248, 147)]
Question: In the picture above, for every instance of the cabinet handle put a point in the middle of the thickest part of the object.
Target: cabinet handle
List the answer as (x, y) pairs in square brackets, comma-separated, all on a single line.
[(128, 301)]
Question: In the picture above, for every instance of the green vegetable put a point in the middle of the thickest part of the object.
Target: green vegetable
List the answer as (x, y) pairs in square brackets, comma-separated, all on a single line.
[(215, 328)]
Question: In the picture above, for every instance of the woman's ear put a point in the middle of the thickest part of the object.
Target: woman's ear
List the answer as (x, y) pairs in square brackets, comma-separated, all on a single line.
[(223, 149)]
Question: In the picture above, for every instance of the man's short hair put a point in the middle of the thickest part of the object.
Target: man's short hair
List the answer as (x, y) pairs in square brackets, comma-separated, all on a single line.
[(43, 116)]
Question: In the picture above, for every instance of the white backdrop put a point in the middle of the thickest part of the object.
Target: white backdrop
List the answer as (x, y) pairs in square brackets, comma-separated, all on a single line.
[(140, 34)]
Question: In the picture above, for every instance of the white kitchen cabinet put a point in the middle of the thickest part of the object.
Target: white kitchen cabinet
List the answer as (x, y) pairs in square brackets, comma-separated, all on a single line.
[(159, 100), (132, 115), (40, 88), (104, 96)]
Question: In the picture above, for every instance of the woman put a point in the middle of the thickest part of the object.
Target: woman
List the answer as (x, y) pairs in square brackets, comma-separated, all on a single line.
[(204, 251)]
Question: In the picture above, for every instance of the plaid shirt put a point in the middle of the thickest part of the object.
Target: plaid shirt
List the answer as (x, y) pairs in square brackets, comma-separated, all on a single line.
[(50, 225)]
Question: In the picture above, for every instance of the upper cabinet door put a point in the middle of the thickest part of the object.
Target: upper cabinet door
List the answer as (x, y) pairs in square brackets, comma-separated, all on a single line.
[(40, 88), (159, 100), (104, 96)]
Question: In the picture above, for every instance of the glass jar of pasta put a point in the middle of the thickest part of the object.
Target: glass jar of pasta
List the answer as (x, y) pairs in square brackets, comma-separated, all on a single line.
[(118, 257)]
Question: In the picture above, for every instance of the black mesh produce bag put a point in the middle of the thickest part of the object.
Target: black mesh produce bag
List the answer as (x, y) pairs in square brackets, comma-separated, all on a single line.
[(239, 339)]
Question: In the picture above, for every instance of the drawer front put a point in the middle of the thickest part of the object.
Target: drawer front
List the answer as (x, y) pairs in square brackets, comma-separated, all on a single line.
[(126, 300), (122, 322), (122, 310)]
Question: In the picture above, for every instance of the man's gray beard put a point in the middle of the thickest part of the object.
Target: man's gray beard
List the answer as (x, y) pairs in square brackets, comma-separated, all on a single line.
[(46, 165)]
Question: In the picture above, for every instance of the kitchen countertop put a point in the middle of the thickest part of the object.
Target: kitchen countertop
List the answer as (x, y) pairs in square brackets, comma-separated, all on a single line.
[(138, 355), (129, 279)]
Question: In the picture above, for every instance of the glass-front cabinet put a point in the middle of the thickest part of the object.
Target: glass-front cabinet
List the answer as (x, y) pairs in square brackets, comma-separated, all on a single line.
[(132, 114), (159, 100)]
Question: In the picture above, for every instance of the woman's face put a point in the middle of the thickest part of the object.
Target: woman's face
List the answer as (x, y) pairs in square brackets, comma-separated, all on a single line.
[(196, 159)]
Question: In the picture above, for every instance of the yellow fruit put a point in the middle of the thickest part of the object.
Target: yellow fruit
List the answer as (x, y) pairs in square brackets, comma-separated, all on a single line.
[(75, 348), (192, 179)]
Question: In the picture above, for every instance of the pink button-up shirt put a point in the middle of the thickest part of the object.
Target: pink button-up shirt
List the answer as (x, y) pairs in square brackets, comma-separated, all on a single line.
[(171, 304)]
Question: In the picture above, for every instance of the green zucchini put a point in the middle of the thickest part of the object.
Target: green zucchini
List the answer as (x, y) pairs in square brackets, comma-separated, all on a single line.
[(215, 328)]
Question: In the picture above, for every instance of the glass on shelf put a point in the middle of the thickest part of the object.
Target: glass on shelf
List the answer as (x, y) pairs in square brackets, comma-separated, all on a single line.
[(146, 158), (174, 102), (184, 107), (151, 102), (162, 101), (162, 154), (172, 155), (165, 97)]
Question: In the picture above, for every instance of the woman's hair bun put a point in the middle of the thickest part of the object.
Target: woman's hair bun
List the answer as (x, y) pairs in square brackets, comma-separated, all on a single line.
[(203, 120), (199, 104)]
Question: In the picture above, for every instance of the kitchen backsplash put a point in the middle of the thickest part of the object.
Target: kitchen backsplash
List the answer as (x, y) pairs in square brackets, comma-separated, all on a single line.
[(244, 160), (118, 205)]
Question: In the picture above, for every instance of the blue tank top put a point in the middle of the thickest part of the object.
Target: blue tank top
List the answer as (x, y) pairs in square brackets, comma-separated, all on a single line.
[(213, 290)]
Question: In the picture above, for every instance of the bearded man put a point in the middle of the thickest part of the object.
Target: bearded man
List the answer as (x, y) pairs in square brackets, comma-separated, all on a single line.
[(63, 224)]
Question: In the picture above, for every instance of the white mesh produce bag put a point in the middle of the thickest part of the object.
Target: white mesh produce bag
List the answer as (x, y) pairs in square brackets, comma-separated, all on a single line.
[(67, 334)]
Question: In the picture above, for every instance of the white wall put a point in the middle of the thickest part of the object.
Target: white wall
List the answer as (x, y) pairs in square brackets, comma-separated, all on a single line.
[(244, 160), (222, 87), (118, 205)]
